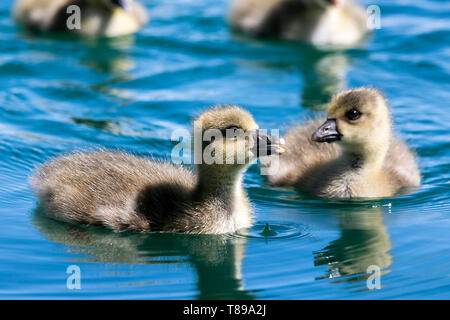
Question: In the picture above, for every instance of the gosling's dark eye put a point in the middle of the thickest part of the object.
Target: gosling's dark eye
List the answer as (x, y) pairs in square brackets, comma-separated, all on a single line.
[(353, 114)]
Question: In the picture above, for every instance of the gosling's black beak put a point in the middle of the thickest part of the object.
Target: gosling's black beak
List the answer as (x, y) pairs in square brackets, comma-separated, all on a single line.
[(120, 3), (266, 144), (327, 132)]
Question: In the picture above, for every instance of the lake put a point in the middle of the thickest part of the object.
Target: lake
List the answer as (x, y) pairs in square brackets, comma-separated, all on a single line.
[(59, 94)]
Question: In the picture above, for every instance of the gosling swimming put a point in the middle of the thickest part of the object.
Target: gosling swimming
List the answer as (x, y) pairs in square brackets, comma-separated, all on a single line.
[(128, 193), (318, 22), (361, 158), (98, 18)]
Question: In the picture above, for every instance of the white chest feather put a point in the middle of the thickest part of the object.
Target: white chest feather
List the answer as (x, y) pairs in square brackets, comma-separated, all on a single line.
[(335, 28), (118, 23)]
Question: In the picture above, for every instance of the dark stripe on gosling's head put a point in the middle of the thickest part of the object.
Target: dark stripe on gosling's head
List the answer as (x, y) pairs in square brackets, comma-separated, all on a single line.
[(121, 3)]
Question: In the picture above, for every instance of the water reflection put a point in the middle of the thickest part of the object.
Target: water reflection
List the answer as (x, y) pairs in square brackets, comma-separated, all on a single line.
[(100, 54), (111, 57), (105, 56), (217, 260), (108, 61), (363, 242), (324, 75)]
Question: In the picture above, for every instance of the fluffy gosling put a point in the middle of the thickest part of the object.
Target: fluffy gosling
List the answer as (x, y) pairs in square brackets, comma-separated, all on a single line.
[(361, 158), (127, 193), (98, 18), (318, 22)]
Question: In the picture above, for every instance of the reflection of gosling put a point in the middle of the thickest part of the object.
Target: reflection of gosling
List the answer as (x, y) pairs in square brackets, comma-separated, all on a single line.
[(365, 162), (124, 192), (216, 259), (320, 22), (99, 18), (363, 242)]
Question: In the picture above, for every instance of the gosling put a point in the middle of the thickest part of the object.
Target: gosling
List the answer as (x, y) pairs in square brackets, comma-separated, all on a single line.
[(98, 18), (361, 159), (318, 22), (128, 193)]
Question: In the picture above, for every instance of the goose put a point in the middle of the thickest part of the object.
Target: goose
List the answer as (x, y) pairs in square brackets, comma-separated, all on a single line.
[(318, 22), (361, 159), (98, 18), (124, 192)]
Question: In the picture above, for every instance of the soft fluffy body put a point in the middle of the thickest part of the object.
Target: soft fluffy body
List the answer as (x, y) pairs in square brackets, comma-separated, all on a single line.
[(124, 192), (319, 22), (367, 161), (99, 18)]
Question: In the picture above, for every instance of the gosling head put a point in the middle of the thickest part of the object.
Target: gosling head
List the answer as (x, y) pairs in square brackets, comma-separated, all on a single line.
[(358, 120), (231, 137)]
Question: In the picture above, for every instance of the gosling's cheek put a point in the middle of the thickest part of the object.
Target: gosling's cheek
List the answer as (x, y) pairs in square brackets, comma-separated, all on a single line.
[(341, 125)]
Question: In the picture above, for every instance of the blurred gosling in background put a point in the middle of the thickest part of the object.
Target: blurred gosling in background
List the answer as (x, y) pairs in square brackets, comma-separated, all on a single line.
[(98, 18), (318, 22), (127, 193), (365, 160)]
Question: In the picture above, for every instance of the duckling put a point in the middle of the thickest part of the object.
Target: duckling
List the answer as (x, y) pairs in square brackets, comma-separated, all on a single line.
[(98, 18), (129, 193), (361, 158), (318, 22)]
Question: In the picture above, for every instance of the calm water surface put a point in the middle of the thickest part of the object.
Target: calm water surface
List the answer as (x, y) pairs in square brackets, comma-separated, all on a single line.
[(131, 93)]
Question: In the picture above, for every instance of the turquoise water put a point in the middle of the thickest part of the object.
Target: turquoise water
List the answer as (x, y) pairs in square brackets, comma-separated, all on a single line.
[(131, 93)]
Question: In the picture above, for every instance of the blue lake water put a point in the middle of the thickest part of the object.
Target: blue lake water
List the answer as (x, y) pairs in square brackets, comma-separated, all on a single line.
[(59, 94)]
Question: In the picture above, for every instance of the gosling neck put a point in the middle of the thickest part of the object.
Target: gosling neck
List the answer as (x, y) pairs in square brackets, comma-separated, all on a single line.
[(222, 182), (368, 158)]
